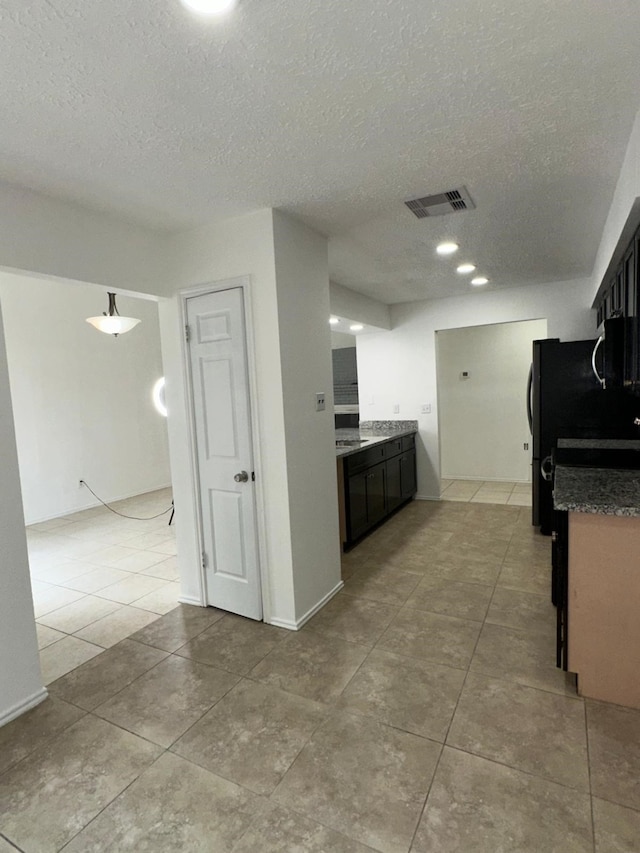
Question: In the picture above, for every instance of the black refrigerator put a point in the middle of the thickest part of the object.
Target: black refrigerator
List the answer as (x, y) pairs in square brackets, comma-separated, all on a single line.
[(565, 401)]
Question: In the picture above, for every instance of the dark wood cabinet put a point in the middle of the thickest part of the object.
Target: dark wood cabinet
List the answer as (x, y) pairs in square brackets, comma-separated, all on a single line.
[(619, 297), (394, 482), (559, 585), (377, 481), (408, 474), (366, 504), (619, 301)]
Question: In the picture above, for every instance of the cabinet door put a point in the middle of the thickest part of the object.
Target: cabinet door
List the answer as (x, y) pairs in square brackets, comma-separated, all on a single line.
[(394, 483), (357, 522), (376, 481), (560, 580), (408, 474)]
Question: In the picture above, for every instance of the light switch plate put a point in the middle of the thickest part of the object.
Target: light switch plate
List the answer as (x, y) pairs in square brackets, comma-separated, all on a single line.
[(396, 408), (320, 406)]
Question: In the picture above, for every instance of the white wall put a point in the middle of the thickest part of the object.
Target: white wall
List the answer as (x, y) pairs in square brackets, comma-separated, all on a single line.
[(291, 355), (81, 399), (52, 238), (340, 340), (223, 251), (399, 366), (350, 305), (20, 680), (627, 190), (483, 422), (302, 277), (47, 236)]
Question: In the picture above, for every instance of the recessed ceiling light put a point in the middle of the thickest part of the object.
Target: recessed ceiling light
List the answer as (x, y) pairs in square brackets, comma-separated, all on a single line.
[(334, 321), (465, 268), (447, 248), (209, 7), (479, 280), (357, 327)]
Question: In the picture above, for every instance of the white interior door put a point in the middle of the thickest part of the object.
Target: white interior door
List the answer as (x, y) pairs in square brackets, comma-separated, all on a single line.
[(220, 391)]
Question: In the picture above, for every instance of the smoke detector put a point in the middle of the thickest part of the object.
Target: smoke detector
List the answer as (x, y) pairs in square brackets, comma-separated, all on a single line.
[(440, 204)]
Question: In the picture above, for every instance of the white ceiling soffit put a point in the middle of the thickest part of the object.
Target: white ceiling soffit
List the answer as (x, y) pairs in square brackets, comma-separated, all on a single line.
[(337, 112)]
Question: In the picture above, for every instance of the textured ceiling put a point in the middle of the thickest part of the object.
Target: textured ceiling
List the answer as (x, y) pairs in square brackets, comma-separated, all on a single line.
[(336, 112)]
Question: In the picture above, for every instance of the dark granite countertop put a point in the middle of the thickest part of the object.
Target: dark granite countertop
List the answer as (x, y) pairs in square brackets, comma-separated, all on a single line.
[(373, 432), (605, 491), (600, 443)]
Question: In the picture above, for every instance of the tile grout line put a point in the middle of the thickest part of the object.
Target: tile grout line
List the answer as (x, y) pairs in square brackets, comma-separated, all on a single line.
[(586, 732), (11, 843), (333, 709), (444, 742)]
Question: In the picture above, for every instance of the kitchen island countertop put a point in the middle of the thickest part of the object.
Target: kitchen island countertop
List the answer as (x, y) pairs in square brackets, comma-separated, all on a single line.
[(605, 491)]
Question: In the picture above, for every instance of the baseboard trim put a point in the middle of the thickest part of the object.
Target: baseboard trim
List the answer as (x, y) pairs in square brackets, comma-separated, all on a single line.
[(188, 599), (292, 625), (487, 480), (427, 498), (93, 504), (22, 707)]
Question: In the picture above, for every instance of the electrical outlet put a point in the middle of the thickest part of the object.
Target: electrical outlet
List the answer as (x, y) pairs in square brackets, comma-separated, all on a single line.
[(425, 409), (526, 445), (320, 405), (396, 408)]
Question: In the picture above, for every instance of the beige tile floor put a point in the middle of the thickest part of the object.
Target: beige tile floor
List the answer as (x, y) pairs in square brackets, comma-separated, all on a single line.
[(486, 492), (97, 577), (419, 710)]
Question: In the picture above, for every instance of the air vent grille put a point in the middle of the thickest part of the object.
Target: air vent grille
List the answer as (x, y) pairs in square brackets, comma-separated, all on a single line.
[(440, 204)]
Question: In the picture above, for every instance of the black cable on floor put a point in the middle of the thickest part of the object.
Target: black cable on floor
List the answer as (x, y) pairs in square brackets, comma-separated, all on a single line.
[(134, 517)]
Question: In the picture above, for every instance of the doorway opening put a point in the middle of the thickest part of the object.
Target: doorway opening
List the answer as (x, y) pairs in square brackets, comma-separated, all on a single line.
[(83, 411), (485, 443)]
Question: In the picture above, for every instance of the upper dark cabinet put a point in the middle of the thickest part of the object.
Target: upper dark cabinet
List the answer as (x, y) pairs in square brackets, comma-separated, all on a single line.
[(621, 293), (619, 308)]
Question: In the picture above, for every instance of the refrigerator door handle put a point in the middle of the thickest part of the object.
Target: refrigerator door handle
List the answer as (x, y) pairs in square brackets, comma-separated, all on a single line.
[(546, 469), (529, 406), (601, 379)]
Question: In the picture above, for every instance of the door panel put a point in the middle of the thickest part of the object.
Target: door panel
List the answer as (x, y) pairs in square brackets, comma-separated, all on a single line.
[(394, 483), (217, 392), (357, 505), (408, 473), (228, 533), (376, 479), (221, 406)]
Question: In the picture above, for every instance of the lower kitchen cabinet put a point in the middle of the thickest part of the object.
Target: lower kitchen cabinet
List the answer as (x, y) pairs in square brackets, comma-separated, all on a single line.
[(400, 479), (366, 504), (376, 482)]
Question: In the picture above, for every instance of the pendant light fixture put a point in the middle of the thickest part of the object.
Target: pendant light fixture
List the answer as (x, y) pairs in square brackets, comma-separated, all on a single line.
[(110, 322)]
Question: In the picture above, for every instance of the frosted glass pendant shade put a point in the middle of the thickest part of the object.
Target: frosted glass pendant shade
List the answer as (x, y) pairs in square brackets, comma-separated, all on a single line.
[(209, 7), (116, 325), (111, 323)]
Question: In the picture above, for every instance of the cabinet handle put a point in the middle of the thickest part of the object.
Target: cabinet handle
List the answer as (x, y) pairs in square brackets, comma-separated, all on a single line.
[(600, 379)]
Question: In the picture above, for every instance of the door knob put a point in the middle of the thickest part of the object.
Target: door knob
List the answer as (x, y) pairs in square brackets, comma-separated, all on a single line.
[(242, 477)]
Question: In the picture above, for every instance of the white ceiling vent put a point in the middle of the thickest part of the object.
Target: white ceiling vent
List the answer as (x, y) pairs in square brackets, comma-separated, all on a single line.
[(437, 205)]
